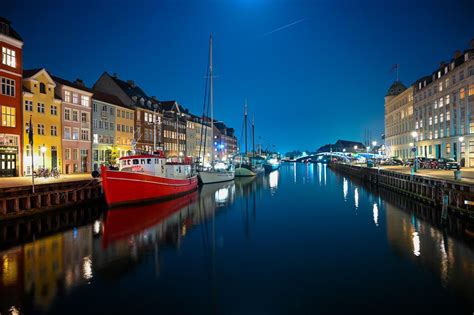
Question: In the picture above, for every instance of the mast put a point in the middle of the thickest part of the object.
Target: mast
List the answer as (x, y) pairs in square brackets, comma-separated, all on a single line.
[(245, 126), (211, 91), (253, 136)]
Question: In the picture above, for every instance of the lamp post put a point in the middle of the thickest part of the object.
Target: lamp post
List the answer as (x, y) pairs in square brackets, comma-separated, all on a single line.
[(43, 151), (355, 148), (414, 135), (461, 140)]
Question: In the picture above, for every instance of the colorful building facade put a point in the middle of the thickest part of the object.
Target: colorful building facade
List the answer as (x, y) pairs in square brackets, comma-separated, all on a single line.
[(11, 68), (43, 107), (76, 125)]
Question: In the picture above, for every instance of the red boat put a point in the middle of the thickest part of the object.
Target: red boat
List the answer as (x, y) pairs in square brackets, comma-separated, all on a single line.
[(147, 177)]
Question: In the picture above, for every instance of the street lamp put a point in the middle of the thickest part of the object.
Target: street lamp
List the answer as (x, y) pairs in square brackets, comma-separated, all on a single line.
[(414, 135), (461, 140), (355, 148), (374, 143), (43, 151)]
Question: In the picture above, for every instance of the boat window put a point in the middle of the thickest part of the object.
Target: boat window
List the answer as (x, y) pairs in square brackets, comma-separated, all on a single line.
[(142, 161), (135, 161), (129, 162), (179, 169), (148, 161), (156, 161)]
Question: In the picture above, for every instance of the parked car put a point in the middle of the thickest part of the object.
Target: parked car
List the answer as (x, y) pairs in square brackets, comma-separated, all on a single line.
[(448, 164)]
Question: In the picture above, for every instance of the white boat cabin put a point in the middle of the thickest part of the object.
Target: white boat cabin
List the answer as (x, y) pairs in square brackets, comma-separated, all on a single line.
[(155, 165)]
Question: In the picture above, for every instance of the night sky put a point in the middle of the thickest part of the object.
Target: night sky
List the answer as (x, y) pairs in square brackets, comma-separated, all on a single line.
[(320, 79)]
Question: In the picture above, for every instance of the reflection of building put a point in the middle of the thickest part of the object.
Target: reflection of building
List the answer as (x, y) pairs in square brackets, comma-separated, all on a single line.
[(77, 256), (443, 104), (76, 125), (398, 120), (424, 244), (41, 104), (11, 279), (43, 269), (11, 67)]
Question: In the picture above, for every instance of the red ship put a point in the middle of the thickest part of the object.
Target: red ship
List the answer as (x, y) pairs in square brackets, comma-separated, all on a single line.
[(147, 177)]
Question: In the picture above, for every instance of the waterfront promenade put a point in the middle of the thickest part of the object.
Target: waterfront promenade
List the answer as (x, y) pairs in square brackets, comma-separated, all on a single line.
[(7, 182), (467, 173)]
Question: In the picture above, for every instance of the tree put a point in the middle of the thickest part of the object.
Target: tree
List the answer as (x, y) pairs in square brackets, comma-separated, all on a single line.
[(111, 156)]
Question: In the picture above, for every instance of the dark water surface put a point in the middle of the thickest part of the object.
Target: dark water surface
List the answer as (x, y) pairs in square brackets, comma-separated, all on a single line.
[(301, 240)]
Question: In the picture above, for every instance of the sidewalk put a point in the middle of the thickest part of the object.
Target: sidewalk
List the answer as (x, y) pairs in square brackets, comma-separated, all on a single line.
[(466, 173), (26, 181)]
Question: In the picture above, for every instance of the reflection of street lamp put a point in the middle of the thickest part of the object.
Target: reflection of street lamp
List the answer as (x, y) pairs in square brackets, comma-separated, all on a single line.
[(43, 151), (343, 150), (461, 140), (414, 135), (368, 148)]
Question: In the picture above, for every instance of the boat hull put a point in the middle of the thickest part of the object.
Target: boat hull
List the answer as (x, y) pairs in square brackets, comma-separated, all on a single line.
[(243, 172), (271, 167), (209, 177), (131, 187)]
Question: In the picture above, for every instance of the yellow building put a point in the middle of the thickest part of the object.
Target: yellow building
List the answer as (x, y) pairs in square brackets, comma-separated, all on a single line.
[(44, 108), (124, 129)]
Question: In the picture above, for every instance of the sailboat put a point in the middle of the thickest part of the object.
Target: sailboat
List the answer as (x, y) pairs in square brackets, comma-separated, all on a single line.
[(246, 166), (218, 171)]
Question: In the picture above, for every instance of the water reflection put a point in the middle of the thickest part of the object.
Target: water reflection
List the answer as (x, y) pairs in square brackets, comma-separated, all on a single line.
[(43, 268), (376, 214)]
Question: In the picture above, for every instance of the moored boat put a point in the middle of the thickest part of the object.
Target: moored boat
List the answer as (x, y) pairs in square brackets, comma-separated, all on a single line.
[(147, 177), (271, 164)]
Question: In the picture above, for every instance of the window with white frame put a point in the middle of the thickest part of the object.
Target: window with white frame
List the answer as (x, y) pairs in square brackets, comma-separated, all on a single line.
[(85, 100), (54, 110), (8, 87), (67, 96), (8, 116), (9, 57), (448, 116), (74, 98), (28, 106), (75, 133), (67, 133), (431, 121), (67, 114), (41, 108), (75, 115), (41, 129), (85, 134), (441, 117), (54, 130)]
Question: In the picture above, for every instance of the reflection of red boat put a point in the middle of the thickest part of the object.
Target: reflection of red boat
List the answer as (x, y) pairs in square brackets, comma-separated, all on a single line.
[(147, 177), (124, 222)]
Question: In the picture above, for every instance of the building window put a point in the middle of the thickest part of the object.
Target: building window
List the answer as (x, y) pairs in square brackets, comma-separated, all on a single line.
[(74, 154), (41, 129), (28, 106), (430, 121), (8, 87), (67, 133), (84, 135), (68, 154), (75, 115), (41, 108), (42, 88), (75, 133), (441, 117), (471, 146), (74, 98), (448, 116), (440, 87), (54, 131), (448, 148), (85, 100), (67, 96), (84, 117), (8, 116), (67, 114), (54, 110), (9, 57)]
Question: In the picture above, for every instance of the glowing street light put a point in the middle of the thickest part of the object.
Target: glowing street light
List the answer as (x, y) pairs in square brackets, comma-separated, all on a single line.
[(43, 151), (355, 147), (414, 135), (374, 143)]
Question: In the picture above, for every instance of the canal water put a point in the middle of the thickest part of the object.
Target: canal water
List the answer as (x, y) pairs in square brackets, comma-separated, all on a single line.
[(301, 240)]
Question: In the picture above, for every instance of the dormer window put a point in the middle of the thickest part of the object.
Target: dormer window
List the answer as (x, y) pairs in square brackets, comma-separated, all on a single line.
[(9, 57), (42, 88), (439, 74)]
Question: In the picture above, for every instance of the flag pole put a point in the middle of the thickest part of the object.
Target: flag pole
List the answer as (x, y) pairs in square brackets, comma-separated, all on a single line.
[(30, 140)]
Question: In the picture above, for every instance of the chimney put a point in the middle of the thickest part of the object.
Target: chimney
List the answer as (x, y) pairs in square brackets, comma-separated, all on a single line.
[(131, 83), (115, 75), (79, 82), (457, 53)]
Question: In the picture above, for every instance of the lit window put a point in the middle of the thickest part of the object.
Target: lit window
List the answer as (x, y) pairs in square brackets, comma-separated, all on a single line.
[(440, 86), (431, 121), (8, 87), (67, 96), (9, 57), (441, 116), (461, 93), (8, 116), (448, 116), (74, 98), (75, 134), (85, 100), (67, 133), (447, 99)]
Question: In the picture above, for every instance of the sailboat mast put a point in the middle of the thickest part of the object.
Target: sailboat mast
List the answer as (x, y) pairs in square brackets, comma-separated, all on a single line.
[(211, 92), (245, 126), (253, 136)]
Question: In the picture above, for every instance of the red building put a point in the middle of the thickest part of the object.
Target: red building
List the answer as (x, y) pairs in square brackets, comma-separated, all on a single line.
[(11, 68)]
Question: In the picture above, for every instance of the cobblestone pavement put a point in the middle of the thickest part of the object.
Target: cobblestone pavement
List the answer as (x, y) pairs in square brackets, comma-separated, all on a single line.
[(26, 181), (466, 173)]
